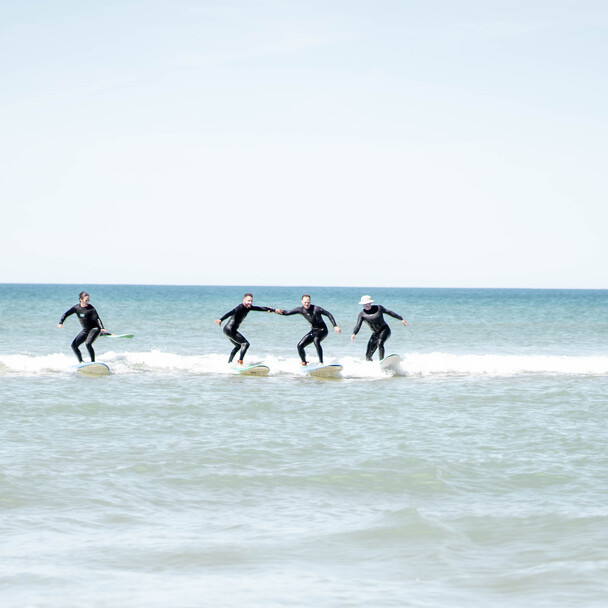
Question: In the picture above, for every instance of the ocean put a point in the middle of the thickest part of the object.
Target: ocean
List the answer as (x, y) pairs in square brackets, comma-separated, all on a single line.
[(478, 473)]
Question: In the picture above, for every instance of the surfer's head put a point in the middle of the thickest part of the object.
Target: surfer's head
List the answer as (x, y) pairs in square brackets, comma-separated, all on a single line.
[(366, 301), (83, 296), (248, 300), (306, 300)]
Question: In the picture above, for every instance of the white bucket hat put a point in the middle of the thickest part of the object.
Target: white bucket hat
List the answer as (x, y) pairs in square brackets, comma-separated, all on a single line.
[(366, 300)]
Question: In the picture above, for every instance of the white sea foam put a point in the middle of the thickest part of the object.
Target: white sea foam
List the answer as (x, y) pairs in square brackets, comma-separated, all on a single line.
[(35, 365), (436, 364)]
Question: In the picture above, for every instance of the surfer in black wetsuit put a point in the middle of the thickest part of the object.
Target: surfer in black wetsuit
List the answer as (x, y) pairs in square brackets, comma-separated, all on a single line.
[(237, 315), (374, 317), (318, 331), (92, 327)]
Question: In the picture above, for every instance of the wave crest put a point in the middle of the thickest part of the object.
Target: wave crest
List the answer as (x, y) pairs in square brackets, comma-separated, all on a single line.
[(436, 364)]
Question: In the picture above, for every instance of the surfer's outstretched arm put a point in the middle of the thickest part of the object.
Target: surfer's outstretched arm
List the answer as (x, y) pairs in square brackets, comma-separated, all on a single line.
[(332, 319), (394, 315), (357, 326), (288, 313)]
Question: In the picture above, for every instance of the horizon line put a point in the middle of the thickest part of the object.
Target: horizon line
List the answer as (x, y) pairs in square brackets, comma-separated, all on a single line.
[(307, 286)]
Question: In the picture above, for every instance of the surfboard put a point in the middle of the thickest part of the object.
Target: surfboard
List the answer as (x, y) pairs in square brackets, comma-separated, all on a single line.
[(117, 335), (93, 369), (390, 363), (323, 371), (251, 370)]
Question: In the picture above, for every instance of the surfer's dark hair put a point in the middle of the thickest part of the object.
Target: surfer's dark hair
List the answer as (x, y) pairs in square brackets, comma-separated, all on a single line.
[(305, 296), (248, 295), (83, 294)]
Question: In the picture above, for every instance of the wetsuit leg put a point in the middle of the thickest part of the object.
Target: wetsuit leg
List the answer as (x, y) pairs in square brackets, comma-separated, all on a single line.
[(302, 344), (78, 340), (319, 336), (383, 335), (316, 336), (93, 335), (240, 343), (372, 345)]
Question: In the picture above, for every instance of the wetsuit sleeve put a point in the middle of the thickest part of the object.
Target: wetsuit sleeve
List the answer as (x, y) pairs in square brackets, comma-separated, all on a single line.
[(262, 308), (66, 314), (391, 313), (228, 314), (358, 325), (293, 311), (329, 316)]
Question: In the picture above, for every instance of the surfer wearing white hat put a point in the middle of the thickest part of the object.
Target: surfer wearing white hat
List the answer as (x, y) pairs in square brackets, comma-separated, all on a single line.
[(373, 315)]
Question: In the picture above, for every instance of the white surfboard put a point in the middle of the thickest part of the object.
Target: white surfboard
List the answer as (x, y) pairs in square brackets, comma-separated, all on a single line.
[(390, 363), (117, 335), (93, 369), (323, 371), (251, 370)]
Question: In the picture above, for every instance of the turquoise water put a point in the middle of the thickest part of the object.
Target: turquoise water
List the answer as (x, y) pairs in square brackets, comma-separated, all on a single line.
[(478, 473)]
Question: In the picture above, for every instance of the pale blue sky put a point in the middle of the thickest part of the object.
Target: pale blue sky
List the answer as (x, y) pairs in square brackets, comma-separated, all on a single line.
[(442, 143)]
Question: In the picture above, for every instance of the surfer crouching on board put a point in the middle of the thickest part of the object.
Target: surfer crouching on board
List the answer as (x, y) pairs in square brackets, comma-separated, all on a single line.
[(374, 317), (318, 331), (237, 315), (92, 327)]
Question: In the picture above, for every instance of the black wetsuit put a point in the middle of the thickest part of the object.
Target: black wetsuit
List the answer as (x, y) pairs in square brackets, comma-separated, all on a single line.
[(318, 332), (237, 315), (380, 329), (91, 328)]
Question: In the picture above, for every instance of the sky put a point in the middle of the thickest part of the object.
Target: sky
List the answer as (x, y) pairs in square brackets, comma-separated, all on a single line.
[(397, 143)]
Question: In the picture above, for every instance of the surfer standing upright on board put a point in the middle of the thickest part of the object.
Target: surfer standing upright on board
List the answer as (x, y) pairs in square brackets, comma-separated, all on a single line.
[(237, 315), (318, 332), (92, 327), (374, 317)]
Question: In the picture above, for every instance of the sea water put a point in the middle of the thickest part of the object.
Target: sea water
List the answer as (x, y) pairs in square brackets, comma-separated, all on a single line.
[(478, 473)]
